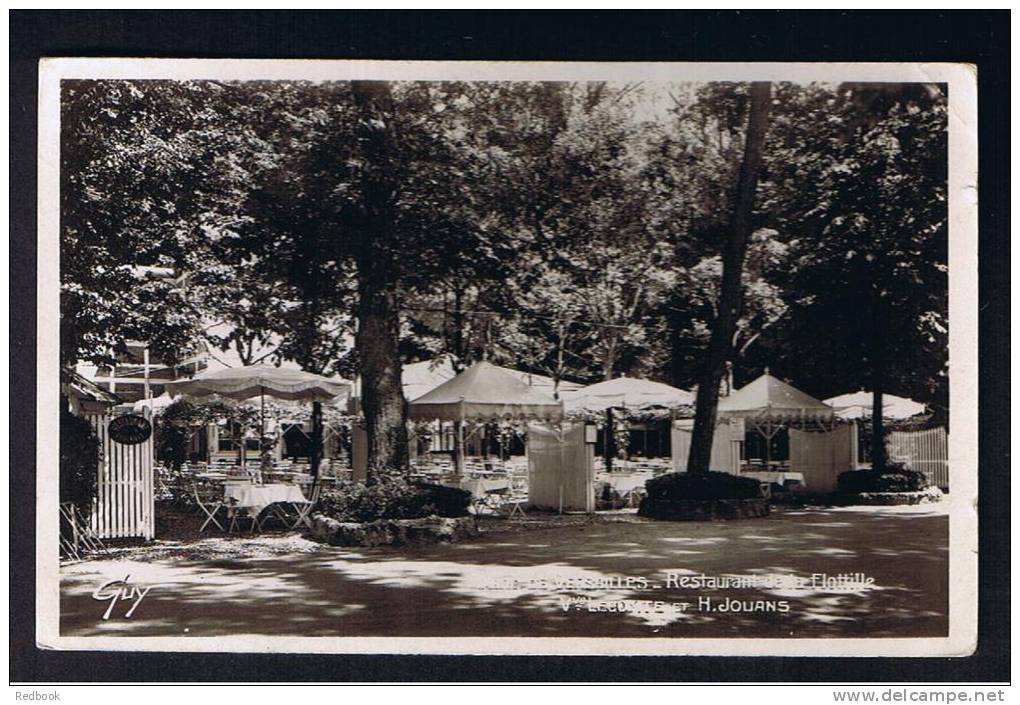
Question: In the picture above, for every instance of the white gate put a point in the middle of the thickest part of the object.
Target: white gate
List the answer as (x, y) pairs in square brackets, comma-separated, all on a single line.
[(924, 451), (125, 491)]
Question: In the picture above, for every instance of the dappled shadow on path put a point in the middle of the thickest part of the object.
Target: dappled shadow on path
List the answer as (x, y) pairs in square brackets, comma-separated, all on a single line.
[(545, 582)]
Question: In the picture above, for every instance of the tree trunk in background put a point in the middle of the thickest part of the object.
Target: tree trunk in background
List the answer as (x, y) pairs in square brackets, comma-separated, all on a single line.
[(609, 361), (678, 351), (878, 452), (378, 335), (878, 449), (720, 344)]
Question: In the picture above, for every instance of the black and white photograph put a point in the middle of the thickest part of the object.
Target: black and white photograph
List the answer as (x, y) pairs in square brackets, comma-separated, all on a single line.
[(376, 357)]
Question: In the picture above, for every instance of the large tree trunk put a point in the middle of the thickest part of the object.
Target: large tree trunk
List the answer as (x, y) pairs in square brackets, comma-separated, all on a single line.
[(730, 295), (378, 336), (382, 396)]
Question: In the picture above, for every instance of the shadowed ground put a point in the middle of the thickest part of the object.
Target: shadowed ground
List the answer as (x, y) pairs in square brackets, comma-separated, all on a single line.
[(541, 581)]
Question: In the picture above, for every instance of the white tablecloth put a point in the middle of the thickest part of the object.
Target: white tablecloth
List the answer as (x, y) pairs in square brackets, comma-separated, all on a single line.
[(624, 483), (776, 478), (479, 488), (258, 497)]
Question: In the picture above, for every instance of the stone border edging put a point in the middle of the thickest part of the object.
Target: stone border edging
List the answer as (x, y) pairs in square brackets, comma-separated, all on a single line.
[(704, 509), (930, 495), (392, 532)]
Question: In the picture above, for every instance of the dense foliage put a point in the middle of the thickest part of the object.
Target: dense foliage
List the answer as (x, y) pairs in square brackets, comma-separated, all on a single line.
[(894, 478), (79, 461), (574, 230)]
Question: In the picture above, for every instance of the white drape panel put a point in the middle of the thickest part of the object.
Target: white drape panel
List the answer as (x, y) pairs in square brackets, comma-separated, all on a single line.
[(821, 457), (560, 468), (729, 434)]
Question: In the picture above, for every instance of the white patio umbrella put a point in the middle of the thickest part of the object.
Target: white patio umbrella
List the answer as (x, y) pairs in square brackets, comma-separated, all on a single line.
[(259, 380), (155, 404), (858, 405), (626, 393)]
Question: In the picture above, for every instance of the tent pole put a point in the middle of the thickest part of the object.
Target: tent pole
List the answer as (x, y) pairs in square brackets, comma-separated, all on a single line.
[(316, 438), (609, 445), (459, 460)]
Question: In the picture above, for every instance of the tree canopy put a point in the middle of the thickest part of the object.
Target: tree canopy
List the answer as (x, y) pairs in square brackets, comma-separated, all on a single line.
[(571, 229)]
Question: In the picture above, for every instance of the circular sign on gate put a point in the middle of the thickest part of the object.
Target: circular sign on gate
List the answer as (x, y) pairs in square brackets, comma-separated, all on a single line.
[(130, 429)]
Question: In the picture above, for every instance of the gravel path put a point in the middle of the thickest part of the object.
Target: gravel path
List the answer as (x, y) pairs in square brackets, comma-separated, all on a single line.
[(614, 575)]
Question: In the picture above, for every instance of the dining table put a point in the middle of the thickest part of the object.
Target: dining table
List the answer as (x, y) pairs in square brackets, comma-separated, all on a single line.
[(257, 498)]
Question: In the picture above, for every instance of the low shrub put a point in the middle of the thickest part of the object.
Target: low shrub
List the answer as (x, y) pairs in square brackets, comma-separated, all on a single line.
[(895, 478), (392, 498), (443, 501), (709, 485)]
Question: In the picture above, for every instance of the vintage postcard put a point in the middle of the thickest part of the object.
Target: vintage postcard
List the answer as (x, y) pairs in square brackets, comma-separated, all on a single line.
[(507, 358)]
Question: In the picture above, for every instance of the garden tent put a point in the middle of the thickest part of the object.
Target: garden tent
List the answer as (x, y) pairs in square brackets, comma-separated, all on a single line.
[(624, 393), (819, 447), (769, 400), (154, 404), (858, 406), (483, 393), (419, 378)]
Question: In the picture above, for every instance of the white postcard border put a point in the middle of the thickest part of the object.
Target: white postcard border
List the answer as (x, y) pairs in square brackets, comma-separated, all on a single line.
[(963, 346)]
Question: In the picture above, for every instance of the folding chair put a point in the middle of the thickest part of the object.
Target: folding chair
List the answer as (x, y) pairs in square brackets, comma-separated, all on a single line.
[(209, 499), (304, 509), (517, 495), (493, 500)]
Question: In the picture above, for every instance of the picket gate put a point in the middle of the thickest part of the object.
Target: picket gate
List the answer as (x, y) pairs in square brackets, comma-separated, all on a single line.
[(125, 488)]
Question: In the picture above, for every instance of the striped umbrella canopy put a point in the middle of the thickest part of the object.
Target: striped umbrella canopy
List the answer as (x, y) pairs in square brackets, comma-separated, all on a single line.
[(261, 380)]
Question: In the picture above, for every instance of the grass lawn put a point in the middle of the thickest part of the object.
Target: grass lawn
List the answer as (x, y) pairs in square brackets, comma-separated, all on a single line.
[(547, 579)]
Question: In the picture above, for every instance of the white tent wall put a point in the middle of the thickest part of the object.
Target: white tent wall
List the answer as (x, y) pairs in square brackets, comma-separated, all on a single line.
[(821, 457), (729, 434), (561, 468)]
